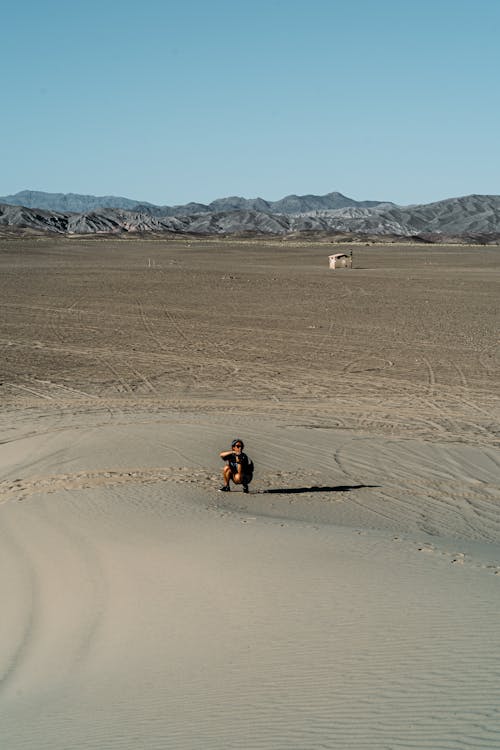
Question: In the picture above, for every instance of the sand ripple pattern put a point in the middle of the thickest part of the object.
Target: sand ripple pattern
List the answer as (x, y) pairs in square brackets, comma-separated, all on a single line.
[(177, 630), (84, 480)]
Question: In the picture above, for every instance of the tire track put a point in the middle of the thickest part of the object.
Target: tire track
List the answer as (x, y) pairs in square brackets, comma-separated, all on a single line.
[(431, 377), (51, 384), (149, 328), (449, 504), (26, 569), (128, 384), (118, 378), (33, 392), (320, 345), (43, 634), (194, 346), (487, 365), (387, 364)]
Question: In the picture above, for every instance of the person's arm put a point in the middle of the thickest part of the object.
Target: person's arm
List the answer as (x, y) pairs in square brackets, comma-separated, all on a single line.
[(241, 458), (226, 454)]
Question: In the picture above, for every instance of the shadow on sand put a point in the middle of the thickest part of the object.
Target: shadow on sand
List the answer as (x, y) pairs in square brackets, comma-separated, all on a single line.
[(315, 488)]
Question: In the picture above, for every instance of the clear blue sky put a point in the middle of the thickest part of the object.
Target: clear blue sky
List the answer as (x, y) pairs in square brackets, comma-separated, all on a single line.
[(172, 101)]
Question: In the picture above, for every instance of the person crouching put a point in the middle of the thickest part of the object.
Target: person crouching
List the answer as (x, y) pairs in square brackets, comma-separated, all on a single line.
[(238, 468)]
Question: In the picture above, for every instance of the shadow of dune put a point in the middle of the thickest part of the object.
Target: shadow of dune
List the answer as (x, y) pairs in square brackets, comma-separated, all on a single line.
[(316, 488)]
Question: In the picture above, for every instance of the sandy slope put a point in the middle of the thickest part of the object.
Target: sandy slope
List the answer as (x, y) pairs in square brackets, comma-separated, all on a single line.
[(140, 611), (351, 600)]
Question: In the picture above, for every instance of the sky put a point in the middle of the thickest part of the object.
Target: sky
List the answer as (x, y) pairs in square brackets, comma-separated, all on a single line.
[(191, 100)]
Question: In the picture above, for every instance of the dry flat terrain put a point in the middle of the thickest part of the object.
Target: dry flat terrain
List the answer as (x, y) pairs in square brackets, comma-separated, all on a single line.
[(350, 600), (405, 343)]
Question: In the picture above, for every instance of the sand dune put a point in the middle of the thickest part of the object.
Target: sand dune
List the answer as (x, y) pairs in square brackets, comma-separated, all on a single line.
[(351, 600)]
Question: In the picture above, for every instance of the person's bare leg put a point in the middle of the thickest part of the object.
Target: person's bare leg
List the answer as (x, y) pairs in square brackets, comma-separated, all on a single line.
[(227, 474), (237, 478)]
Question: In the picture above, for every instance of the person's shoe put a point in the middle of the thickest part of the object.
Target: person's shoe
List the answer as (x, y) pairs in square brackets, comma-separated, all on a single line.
[(245, 489), (225, 488)]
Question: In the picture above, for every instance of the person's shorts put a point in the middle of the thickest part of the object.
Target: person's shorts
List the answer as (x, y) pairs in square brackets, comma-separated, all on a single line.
[(247, 478)]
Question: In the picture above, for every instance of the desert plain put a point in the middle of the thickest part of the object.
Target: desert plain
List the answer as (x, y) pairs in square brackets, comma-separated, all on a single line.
[(352, 598)]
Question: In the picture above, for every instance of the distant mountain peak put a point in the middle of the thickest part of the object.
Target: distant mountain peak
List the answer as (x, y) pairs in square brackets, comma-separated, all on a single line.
[(76, 202), (476, 217), (79, 203)]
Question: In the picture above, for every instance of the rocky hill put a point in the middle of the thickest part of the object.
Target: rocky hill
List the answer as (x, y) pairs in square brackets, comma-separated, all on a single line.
[(77, 203), (474, 218), (67, 201)]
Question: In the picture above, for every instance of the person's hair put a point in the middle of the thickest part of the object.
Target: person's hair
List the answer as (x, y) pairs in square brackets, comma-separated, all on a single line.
[(237, 441)]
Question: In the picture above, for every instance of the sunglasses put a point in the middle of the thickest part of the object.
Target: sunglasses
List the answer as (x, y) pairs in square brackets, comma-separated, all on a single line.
[(238, 445)]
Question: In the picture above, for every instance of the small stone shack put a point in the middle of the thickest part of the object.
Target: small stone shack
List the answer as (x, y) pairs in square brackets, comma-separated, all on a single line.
[(340, 260)]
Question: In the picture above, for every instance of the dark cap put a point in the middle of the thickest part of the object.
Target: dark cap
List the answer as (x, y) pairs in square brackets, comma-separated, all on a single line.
[(237, 441)]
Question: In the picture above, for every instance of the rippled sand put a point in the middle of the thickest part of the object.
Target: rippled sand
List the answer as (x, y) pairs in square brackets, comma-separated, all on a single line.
[(351, 600)]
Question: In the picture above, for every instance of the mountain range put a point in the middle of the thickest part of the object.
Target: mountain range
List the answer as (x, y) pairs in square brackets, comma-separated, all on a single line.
[(474, 218), (77, 203)]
